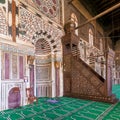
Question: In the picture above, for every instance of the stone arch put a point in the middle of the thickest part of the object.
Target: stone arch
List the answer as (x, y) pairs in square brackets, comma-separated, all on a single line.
[(42, 47), (14, 97), (37, 28), (52, 39), (43, 67)]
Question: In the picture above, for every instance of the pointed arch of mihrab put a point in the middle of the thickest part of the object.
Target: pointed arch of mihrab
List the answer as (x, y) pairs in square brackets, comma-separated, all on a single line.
[(37, 28)]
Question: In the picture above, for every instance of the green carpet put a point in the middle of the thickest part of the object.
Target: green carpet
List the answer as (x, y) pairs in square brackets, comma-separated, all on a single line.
[(65, 109), (116, 90)]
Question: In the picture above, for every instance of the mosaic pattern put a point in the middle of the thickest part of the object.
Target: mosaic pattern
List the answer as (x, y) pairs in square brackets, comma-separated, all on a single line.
[(33, 28), (48, 7), (51, 8), (42, 47), (3, 23)]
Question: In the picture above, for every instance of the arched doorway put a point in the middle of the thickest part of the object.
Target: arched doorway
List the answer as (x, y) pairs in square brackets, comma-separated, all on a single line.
[(14, 98)]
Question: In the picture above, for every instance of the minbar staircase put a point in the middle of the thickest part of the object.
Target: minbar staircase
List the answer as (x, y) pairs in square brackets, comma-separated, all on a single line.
[(86, 83), (80, 80)]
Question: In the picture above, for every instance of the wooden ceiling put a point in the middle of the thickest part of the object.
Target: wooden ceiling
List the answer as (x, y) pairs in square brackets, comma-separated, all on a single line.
[(110, 21)]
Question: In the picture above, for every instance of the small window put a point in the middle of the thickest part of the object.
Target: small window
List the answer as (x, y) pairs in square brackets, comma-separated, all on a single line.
[(75, 20), (91, 37)]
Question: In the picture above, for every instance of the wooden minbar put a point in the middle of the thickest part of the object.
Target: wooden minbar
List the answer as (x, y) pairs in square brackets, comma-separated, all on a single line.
[(80, 80)]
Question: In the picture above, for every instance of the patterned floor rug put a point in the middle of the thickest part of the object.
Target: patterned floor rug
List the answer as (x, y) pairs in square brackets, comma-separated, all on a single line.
[(65, 108)]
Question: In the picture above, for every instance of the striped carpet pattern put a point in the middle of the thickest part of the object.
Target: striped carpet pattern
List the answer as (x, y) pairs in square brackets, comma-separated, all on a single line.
[(65, 109)]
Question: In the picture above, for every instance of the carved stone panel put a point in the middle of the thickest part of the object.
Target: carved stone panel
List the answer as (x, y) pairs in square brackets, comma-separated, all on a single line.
[(42, 73)]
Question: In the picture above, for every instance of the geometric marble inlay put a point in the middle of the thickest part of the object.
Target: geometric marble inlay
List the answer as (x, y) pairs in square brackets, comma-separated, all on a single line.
[(48, 7), (3, 23), (42, 47), (33, 28)]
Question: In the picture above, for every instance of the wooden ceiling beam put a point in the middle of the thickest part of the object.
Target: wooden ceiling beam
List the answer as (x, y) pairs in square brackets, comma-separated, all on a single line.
[(101, 1), (105, 5), (100, 15)]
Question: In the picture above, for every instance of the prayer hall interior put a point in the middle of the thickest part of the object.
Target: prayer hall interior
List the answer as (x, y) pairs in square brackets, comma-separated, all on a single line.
[(59, 59)]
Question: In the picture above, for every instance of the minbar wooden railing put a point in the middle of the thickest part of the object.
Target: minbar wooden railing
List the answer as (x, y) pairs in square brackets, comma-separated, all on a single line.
[(81, 81)]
